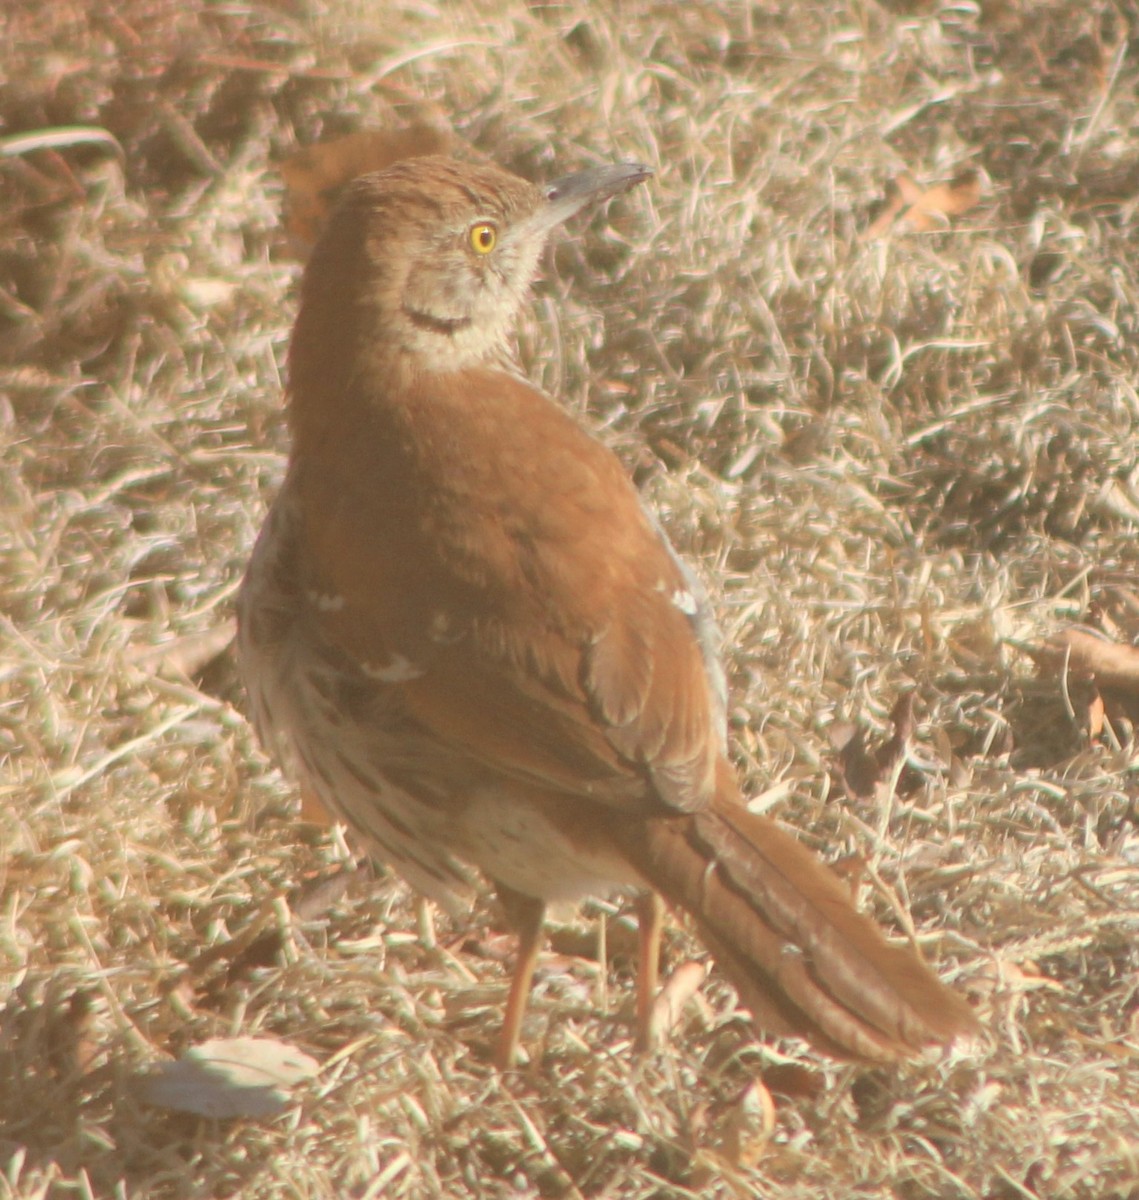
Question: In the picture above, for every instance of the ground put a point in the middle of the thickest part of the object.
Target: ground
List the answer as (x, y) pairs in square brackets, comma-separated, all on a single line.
[(901, 449)]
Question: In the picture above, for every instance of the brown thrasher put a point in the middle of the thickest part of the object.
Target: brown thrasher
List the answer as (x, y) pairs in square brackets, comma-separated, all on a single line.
[(463, 633)]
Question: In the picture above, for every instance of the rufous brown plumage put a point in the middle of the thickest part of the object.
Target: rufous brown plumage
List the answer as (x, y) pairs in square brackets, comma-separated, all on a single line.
[(461, 630)]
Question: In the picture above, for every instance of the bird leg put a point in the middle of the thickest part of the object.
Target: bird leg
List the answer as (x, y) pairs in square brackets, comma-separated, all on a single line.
[(527, 915), (650, 921)]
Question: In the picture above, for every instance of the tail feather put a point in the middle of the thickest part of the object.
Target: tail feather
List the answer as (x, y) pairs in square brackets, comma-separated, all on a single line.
[(784, 930)]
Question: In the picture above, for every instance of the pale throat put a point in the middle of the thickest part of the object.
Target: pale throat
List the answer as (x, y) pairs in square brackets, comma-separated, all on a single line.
[(454, 344)]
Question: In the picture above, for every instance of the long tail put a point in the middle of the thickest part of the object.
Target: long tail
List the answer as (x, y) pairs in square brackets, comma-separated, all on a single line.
[(782, 927)]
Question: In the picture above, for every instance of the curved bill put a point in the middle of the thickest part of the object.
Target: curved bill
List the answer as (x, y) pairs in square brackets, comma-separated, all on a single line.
[(571, 193)]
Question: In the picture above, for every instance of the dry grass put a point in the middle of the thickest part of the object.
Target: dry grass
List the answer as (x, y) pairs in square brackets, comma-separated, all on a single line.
[(895, 460)]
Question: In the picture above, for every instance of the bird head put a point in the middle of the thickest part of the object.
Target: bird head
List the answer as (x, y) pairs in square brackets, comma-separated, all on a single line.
[(424, 266)]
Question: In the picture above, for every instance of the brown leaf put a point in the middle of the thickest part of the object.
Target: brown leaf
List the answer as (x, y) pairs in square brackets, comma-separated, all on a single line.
[(260, 943), (312, 808), (864, 771), (317, 895), (857, 767), (749, 1126), (931, 208), (1097, 716), (1111, 664), (1007, 975), (1082, 656), (187, 655), (851, 868), (316, 175), (201, 969), (902, 715), (73, 1045), (581, 941), (805, 443), (794, 1082), (681, 986)]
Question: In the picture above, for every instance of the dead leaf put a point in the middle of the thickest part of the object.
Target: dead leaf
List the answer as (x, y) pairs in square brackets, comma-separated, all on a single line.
[(201, 972), (1004, 974), (863, 771), (1111, 664), (313, 810), (749, 1126), (74, 1047), (581, 941), (807, 442), (230, 1077), (188, 655), (1097, 716), (793, 1081), (316, 175), (694, 1133), (851, 868), (931, 208), (668, 1007), (1112, 668), (260, 943)]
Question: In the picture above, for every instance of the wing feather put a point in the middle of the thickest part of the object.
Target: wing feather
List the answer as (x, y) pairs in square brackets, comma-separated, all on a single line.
[(533, 623)]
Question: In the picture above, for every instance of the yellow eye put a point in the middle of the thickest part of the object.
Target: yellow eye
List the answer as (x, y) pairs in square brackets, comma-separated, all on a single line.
[(484, 237)]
